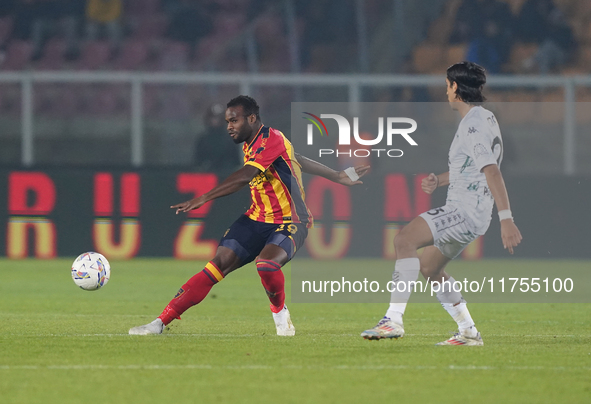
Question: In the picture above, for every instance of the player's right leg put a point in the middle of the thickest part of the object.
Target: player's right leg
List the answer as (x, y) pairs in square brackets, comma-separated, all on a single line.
[(415, 235), (450, 240), (193, 291)]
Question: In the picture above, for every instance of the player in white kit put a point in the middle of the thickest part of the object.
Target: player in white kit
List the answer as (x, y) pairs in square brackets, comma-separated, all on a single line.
[(475, 185)]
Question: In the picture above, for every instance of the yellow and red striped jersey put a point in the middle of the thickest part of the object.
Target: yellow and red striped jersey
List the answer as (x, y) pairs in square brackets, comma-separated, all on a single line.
[(277, 192)]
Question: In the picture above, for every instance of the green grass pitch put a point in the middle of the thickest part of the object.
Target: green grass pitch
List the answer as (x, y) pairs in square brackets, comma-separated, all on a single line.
[(60, 344)]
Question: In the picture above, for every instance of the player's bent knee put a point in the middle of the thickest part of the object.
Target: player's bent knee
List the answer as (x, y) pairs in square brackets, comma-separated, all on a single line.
[(403, 245), (274, 253), (226, 260)]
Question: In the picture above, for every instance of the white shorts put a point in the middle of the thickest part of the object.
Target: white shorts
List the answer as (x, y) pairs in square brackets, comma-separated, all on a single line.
[(452, 230)]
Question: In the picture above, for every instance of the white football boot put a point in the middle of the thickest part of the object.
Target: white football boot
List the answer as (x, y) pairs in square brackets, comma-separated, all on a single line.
[(283, 323), (459, 339), (386, 328), (155, 327)]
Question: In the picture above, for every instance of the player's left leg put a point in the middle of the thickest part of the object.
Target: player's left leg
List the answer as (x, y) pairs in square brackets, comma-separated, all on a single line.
[(279, 250), (433, 263), (269, 264), (239, 246), (193, 291)]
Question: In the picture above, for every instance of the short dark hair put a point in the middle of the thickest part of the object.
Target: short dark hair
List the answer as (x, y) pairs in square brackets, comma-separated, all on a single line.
[(249, 105), (470, 79)]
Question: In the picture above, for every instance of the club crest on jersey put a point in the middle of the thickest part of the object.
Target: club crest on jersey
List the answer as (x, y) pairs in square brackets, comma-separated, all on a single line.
[(480, 150), (179, 293)]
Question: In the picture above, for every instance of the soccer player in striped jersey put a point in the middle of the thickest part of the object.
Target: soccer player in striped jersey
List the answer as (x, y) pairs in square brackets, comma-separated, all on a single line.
[(272, 229), (475, 185)]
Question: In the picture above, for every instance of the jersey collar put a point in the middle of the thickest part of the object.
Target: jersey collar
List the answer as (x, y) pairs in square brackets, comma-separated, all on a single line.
[(249, 145)]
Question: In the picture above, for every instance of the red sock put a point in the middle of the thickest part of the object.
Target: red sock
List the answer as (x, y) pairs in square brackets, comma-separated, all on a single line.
[(192, 292), (273, 282)]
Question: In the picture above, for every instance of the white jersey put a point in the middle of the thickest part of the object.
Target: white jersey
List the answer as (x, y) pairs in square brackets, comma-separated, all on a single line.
[(477, 143)]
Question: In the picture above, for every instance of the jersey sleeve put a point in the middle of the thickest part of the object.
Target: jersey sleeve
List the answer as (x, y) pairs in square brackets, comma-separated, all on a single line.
[(266, 152), (480, 143)]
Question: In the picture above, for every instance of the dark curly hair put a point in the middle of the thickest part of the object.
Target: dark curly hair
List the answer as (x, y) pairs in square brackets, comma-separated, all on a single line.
[(249, 105), (470, 79)]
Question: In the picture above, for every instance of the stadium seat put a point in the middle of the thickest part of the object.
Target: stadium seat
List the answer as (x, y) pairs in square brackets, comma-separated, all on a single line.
[(150, 98), (134, 54), (104, 101), (53, 55), (228, 25), (174, 56), (582, 107), (519, 53), (6, 24), (10, 100), (582, 9), (68, 102), (440, 30), (207, 47), (426, 57), (585, 31), (18, 55), (95, 55), (175, 102), (56, 100), (44, 98)]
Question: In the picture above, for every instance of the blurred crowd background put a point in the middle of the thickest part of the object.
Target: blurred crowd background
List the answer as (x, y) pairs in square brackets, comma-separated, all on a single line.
[(328, 37), (347, 36)]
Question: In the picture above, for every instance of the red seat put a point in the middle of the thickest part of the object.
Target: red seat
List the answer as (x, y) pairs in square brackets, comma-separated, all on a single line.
[(10, 100), (102, 99), (228, 25), (6, 24), (95, 55), (53, 55), (173, 56), (133, 55), (175, 103), (18, 55)]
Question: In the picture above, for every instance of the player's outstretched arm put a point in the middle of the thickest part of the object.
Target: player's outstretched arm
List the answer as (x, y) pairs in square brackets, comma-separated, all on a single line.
[(431, 182), (509, 232), (310, 166), (233, 183)]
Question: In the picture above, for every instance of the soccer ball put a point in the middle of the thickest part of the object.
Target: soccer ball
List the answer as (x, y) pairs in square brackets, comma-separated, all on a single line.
[(91, 271)]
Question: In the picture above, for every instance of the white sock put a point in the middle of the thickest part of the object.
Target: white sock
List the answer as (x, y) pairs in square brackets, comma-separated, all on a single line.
[(406, 271), (456, 306)]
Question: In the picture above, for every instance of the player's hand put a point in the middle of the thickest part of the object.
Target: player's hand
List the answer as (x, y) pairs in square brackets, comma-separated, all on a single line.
[(344, 179), (430, 183), (510, 235), (188, 205)]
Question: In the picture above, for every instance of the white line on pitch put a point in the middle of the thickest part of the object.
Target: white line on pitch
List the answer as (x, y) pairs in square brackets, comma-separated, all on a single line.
[(301, 335), (266, 367)]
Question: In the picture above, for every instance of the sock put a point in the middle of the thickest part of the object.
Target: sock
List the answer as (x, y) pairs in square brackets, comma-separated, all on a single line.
[(192, 292), (406, 271), (456, 306), (273, 282)]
